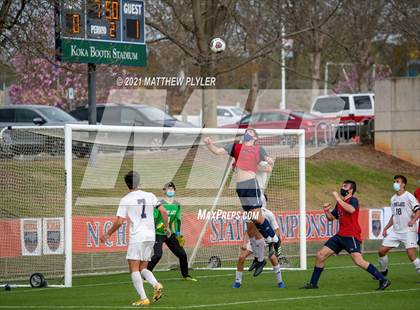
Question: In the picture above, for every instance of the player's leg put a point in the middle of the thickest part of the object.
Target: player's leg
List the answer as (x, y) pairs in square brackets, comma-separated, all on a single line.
[(411, 248), (332, 246), (133, 258), (383, 259), (362, 263), (258, 247), (179, 252), (134, 266), (249, 194), (277, 271), (157, 252), (146, 249), (390, 241), (245, 252)]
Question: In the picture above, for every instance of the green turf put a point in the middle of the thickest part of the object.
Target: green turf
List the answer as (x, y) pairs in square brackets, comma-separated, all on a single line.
[(342, 286)]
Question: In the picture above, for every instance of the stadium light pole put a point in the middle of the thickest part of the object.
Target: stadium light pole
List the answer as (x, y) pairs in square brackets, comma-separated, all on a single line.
[(283, 68)]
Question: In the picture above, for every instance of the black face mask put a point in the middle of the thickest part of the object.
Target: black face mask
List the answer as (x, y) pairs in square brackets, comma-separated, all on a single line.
[(344, 192)]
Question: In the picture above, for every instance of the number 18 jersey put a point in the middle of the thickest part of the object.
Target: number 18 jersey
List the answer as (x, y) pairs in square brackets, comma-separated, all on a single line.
[(403, 207), (138, 207)]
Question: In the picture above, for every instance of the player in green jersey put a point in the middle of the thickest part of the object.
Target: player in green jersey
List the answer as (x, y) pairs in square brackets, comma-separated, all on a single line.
[(176, 241)]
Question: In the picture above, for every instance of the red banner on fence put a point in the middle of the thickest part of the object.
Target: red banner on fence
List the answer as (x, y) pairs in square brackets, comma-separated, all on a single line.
[(219, 232)]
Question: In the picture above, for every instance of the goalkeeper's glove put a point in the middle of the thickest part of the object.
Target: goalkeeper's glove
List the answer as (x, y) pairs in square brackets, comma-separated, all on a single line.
[(180, 238)]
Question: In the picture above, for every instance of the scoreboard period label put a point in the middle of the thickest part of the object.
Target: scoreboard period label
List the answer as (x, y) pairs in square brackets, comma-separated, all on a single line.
[(101, 32)]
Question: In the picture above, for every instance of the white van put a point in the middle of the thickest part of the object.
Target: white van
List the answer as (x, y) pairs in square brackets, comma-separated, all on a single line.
[(355, 107)]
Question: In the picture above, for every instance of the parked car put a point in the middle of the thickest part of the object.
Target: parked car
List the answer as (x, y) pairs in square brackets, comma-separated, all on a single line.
[(350, 111), (137, 115), (229, 114), (225, 115), (280, 119), (130, 115), (354, 107), (17, 142)]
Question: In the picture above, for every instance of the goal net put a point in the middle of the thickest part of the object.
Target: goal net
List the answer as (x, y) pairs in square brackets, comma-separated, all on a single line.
[(61, 189)]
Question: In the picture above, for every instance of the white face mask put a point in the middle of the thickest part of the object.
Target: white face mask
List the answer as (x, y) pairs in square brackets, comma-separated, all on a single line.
[(396, 186)]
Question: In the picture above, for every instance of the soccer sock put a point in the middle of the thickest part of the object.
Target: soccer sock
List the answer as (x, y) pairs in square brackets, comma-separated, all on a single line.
[(253, 245), (149, 277), (265, 229), (277, 272), (374, 272), (416, 264), (316, 274), (383, 262), (138, 284), (238, 277), (259, 249)]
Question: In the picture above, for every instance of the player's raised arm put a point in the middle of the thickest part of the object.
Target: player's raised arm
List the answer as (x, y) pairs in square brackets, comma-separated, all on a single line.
[(330, 216), (213, 148), (348, 207)]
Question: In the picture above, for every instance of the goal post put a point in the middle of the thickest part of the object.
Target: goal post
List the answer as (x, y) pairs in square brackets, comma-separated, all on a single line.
[(80, 168)]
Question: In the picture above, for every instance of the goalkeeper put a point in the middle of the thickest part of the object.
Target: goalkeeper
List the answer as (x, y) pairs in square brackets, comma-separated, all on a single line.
[(176, 241)]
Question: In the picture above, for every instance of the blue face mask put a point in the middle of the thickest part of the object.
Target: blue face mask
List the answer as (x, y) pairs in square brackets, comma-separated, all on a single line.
[(170, 194), (248, 137), (396, 186)]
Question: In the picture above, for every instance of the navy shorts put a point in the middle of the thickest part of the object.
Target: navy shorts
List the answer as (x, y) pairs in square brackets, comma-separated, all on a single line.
[(249, 194), (338, 243), (418, 239)]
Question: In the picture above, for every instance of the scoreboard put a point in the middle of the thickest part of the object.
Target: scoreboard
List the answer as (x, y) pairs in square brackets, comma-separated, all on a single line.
[(100, 31)]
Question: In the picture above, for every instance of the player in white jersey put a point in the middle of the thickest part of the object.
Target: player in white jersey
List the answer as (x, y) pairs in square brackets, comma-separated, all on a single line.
[(137, 207), (246, 250), (405, 212)]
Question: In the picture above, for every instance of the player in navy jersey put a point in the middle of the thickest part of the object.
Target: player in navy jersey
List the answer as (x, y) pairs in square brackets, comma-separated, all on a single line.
[(348, 238)]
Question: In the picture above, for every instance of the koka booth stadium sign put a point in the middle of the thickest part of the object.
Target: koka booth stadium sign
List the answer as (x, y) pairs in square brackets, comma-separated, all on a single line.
[(101, 32)]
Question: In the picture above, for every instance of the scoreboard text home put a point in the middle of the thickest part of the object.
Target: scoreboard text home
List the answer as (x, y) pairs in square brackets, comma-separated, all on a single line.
[(101, 31)]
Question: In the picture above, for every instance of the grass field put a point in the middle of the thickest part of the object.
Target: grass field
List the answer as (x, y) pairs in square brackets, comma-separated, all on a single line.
[(342, 286)]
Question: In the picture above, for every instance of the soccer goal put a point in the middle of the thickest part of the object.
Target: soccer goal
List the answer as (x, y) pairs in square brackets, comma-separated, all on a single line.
[(61, 187)]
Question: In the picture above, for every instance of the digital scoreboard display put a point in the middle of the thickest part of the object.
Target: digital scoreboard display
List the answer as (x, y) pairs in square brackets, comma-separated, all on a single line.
[(101, 31)]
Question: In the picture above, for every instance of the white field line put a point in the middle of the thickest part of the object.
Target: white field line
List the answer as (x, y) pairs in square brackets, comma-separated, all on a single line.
[(176, 279), (245, 302)]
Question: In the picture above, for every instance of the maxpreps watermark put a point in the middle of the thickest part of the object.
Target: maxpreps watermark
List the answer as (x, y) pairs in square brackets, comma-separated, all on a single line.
[(165, 81), (219, 214)]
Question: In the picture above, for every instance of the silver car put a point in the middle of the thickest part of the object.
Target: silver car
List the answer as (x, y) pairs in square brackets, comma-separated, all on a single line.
[(25, 142)]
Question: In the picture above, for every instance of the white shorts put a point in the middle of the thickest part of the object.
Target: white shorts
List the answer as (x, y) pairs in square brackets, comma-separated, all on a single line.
[(140, 250), (393, 239)]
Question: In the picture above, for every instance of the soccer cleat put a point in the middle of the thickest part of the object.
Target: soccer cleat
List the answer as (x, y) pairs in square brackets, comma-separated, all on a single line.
[(189, 278), (309, 286), (259, 268), (383, 285), (253, 264), (281, 285), (157, 292), (236, 285), (141, 302)]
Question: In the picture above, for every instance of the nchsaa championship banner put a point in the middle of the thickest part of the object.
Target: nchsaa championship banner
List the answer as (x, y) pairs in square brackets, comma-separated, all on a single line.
[(41, 236)]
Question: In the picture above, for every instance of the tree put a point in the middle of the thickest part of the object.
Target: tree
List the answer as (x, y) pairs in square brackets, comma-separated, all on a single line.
[(40, 79)]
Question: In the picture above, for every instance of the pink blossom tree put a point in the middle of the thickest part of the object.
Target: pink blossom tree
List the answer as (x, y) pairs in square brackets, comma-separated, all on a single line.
[(40, 79)]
